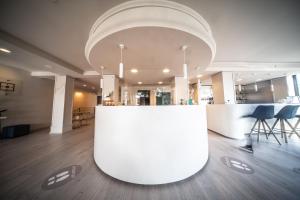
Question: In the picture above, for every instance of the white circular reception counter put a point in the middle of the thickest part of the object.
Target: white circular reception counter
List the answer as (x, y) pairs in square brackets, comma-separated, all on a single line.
[(151, 144)]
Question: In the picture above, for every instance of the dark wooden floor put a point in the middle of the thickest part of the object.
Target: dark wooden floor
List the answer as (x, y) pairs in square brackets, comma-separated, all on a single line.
[(27, 161)]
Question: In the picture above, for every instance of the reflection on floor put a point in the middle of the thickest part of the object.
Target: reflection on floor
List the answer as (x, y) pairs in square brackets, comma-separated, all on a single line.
[(28, 161)]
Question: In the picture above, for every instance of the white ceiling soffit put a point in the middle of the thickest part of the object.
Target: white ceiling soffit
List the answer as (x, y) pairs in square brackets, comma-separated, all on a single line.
[(254, 66), (29, 57), (150, 13)]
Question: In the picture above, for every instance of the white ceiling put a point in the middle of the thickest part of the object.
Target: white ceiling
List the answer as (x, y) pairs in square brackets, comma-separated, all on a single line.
[(251, 77), (150, 49), (244, 31)]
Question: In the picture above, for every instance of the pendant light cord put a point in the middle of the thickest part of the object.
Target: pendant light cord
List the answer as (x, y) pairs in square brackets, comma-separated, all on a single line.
[(121, 55), (184, 56)]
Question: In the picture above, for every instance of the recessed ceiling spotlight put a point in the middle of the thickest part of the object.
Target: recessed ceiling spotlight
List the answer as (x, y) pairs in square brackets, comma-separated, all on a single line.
[(134, 71), (199, 75), (140, 83), (166, 70), (238, 80), (160, 82), (84, 85), (5, 50)]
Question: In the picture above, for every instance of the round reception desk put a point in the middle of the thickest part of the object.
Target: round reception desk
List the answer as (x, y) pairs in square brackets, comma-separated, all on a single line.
[(150, 144)]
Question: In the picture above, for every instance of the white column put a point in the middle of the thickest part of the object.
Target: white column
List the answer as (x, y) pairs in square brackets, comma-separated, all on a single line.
[(181, 89), (199, 91), (62, 105), (223, 88)]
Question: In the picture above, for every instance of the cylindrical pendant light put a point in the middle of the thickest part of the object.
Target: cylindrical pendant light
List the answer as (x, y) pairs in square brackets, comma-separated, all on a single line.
[(255, 87), (185, 71), (185, 68), (272, 87), (121, 66), (101, 83), (101, 78), (121, 70)]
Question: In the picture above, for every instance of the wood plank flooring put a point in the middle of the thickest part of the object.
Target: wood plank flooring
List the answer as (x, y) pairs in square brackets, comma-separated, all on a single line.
[(27, 161)]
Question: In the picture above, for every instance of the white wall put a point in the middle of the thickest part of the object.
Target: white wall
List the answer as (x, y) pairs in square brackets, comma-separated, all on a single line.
[(84, 99), (32, 104)]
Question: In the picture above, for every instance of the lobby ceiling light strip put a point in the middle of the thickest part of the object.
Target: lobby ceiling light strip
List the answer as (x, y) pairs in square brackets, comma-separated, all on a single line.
[(4, 50)]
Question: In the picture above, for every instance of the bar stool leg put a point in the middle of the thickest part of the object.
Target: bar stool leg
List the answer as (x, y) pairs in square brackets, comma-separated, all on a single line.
[(275, 123), (253, 127), (258, 131), (271, 131), (263, 124), (281, 129), (293, 128), (284, 131)]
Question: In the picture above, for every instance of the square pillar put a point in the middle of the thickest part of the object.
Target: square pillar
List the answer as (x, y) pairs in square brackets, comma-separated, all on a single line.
[(62, 105), (223, 88), (181, 89), (111, 87), (199, 91)]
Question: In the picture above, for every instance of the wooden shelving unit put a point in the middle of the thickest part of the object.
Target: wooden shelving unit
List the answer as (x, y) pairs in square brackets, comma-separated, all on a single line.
[(82, 117)]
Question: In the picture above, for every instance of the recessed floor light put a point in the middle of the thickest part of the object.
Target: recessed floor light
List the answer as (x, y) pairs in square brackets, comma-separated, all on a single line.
[(237, 165), (199, 75), (140, 83), (166, 70), (134, 71), (61, 177), (160, 82), (5, 50)]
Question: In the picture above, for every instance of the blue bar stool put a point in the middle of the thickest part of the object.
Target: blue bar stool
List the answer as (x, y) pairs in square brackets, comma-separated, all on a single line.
[(262, 113), (287, 112)]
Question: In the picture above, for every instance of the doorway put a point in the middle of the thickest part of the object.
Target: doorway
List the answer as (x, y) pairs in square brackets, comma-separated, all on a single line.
[(163, 98), (144, 97)]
